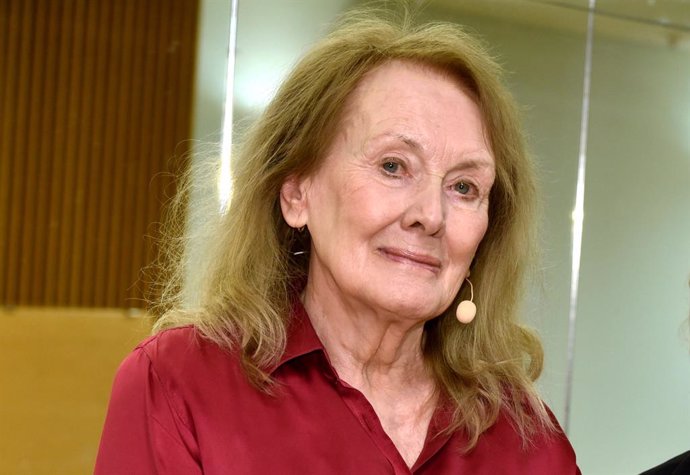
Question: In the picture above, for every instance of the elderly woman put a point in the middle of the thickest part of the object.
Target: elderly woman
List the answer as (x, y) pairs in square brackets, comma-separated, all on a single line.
[(336, 333)]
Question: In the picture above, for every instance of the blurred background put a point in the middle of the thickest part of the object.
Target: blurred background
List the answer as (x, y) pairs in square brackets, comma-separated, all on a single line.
[(102, 102)]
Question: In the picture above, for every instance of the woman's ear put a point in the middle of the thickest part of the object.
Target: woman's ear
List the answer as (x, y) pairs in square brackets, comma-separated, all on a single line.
[(293, 201)]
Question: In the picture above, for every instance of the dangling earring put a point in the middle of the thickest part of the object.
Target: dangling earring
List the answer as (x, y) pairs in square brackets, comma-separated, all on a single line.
[(301, 231), (467, 309)]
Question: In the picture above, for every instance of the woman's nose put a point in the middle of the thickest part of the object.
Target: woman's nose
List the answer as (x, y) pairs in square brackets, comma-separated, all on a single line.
[(426, 210)]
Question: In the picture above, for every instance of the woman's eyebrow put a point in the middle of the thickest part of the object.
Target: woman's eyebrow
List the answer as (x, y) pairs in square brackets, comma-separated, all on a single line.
[(411, 142), (477, 161), (406, 139)]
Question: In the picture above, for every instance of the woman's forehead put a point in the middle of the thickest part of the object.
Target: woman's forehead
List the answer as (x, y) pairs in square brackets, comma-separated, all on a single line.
[(404, 75), (413, 105)]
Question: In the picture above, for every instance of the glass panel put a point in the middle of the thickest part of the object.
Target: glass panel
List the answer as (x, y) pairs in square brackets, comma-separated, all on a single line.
[(631, 406), (210, 69), (269, 45)]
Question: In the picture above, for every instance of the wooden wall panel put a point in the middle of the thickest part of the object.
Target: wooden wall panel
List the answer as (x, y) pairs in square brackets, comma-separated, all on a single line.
[(95, 101)]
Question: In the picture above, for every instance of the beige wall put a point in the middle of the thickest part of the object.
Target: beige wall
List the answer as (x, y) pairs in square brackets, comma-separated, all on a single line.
[(56, 370)]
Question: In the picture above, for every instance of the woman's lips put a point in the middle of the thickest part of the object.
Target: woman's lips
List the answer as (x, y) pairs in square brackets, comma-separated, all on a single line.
[(408, 257)]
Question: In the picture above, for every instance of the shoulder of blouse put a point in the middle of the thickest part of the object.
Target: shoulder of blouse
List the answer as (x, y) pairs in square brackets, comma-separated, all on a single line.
[(184, 351)]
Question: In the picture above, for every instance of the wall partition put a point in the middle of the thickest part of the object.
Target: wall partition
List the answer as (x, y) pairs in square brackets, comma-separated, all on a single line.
[(604, 85), (631, 380)]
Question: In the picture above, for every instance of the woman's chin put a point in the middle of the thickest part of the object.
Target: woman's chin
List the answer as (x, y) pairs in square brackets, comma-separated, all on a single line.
[(419, 295), (413, 307)]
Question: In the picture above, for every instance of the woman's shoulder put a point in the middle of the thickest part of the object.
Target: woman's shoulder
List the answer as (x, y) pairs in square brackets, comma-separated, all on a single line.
[(183, 354), (544, 450), (172, 341)]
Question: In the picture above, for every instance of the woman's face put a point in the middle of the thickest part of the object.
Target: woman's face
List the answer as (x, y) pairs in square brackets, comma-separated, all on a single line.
[(399, 205)]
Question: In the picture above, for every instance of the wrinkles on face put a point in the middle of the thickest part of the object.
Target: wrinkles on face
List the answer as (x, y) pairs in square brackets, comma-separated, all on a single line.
[(399, 203)]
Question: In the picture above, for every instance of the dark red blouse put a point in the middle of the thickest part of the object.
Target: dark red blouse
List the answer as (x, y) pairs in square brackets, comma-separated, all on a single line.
[(182, 405)]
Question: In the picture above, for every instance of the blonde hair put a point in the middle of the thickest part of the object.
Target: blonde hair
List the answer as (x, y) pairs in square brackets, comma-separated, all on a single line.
[(245, 300)]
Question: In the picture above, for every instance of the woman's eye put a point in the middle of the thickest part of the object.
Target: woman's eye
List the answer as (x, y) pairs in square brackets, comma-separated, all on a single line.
[(462, 187), (391, 167)]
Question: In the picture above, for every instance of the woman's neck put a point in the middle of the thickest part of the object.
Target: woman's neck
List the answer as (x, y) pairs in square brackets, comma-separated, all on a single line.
[(368, 349), (380, 355)]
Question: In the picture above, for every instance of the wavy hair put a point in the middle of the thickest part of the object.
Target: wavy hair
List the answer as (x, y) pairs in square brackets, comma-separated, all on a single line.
[(244, 302)]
